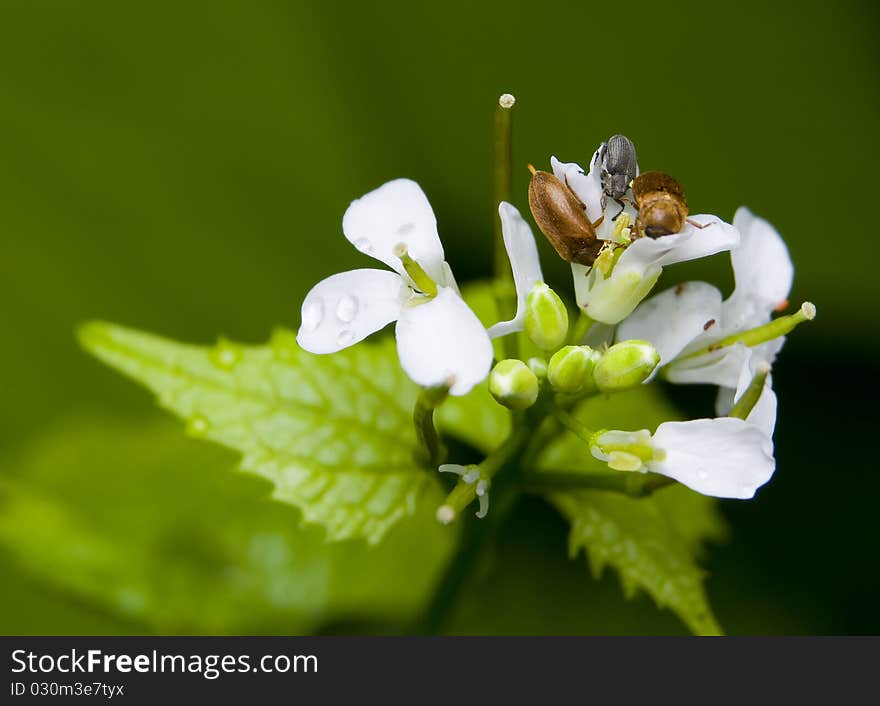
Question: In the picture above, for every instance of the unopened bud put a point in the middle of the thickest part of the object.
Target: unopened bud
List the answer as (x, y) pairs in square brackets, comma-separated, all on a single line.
[(571, 369), (546, 318), (513, 384), (625, 365), (625, 450)]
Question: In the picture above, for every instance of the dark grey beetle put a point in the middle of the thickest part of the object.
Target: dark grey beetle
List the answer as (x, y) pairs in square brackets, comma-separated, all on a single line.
[(619, 166)]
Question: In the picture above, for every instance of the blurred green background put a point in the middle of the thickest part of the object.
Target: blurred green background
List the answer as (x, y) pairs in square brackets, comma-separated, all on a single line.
[(184, 167)]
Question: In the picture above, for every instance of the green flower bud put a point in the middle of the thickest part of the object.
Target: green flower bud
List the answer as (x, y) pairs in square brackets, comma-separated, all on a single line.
[(546, 318), (625, 450), (513, 384), (624, 365), (571, 369)]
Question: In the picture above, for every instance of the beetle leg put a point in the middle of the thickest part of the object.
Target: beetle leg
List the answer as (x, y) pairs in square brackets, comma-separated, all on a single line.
[(622, 209)]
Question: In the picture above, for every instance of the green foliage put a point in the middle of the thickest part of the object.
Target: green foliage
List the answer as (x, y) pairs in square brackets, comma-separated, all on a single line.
[(149, 526), (334, 434), (636, 537), (652, 542)]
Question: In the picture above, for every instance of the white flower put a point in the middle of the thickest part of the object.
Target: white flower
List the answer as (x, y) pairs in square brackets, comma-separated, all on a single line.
[(724, 457), (684, 322), (609, 298), (439, 339), (523, 254)]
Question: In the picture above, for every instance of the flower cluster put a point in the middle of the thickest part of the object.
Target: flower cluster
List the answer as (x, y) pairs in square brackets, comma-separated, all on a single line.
[(686, 334)]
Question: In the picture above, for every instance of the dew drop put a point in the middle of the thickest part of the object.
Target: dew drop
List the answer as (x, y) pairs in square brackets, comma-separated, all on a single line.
[(702, 474), (345, 337), (364, 245), (406, 228), (197, 425), (313, 314), (347, 308)]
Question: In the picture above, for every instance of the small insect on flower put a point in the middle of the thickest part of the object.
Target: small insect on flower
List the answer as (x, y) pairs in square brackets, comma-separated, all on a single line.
[(562, 218), (661, 204), (619, 167)]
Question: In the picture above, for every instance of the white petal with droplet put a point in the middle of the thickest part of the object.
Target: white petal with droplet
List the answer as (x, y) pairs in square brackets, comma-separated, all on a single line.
[(396, 212), (347, 307), (725, 458)]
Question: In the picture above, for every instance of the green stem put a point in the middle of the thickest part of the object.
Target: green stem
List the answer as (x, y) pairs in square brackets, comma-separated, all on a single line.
[(580, 329), (636, 485), (502, 187), (423, 418), (501, 466), (502, 190), (475, 544), (464, 493), (575, 426), (746, 403)]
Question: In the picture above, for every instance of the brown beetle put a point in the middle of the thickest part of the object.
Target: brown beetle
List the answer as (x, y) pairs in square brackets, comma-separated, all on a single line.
[(661, 204), (562, 217)]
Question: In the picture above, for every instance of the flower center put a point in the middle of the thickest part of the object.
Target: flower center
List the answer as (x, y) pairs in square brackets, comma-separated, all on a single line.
[(415, 271)]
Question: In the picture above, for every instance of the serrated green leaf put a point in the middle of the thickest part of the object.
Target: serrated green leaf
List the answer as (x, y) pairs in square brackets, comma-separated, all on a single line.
[(151, 527), (636, 538), (652, 542), (333, 433)]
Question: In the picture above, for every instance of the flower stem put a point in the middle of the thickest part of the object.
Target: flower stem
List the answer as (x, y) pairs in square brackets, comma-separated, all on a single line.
[(423, 418), (580, 329), (575, 426), (636, 485), (502, 179), (464, 492)]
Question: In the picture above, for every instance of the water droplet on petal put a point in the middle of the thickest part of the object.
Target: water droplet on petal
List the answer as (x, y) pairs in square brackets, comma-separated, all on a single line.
[(347, 308), (364, 245), (313, 314), (345, 337), (406, 228), (197, 425), (702, 474)]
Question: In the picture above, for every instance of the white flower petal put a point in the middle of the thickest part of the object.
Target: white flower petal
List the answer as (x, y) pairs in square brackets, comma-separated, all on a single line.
[(347, 307), (763, 271), (693, 243), (672, 319), (724, 401), (721, 367), (523, 253), (442, 340), (396, 212), (725, 458), (586, 185)]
